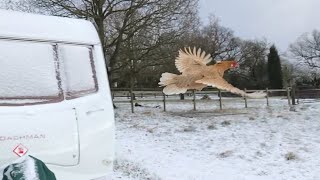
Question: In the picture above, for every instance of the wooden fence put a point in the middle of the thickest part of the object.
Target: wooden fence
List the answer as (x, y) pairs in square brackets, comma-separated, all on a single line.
[(152, 95)]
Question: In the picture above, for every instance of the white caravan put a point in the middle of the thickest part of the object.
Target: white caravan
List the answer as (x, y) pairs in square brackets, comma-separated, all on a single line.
[(55, 101)]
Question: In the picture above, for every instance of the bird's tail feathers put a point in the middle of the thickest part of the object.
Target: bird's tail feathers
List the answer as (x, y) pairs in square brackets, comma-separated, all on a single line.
[(170, 80), (167, 79)]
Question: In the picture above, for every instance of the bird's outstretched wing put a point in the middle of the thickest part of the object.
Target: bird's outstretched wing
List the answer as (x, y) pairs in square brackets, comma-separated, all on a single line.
[(190, 61), (220, 83)]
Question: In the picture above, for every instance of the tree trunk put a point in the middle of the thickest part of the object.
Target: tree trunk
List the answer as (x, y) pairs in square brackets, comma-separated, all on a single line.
[(181, 96)]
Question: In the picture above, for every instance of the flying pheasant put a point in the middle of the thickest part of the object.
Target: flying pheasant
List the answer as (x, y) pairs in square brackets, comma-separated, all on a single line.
[(196, 74)]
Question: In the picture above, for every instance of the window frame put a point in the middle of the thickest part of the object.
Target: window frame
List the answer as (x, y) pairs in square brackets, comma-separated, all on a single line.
[(63, 93), (42, 99), (77, 94)]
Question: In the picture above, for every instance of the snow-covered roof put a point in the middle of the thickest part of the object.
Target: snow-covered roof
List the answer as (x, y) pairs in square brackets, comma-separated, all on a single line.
[(18, 25)]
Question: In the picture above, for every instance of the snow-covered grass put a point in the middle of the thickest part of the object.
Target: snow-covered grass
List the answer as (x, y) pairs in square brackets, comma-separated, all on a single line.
[(260, 142)]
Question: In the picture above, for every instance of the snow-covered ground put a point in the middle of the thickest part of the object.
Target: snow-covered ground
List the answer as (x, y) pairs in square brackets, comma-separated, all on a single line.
[(259, 142)]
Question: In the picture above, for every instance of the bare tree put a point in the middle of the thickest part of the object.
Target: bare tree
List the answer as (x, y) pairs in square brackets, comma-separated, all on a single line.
[(252, 72), (221, 40), (215, 39), (149, 41), (307, 49), (252, 53)]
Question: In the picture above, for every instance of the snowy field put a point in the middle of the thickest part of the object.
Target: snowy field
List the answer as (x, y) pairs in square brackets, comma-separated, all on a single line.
[(259, 142)]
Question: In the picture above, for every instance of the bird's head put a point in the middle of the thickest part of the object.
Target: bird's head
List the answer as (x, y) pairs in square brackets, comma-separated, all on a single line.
[(229, 64), (234, 64)]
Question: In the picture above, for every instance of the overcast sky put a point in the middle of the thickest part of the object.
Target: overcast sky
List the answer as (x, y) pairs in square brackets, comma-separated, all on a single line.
[(280, 21)]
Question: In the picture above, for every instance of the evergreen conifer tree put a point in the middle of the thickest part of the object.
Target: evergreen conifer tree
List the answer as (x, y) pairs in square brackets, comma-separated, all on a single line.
[(274, 69)]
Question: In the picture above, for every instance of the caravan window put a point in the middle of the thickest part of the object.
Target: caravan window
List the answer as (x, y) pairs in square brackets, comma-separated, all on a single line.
[(79, 71), (28, 72), (33, 73)]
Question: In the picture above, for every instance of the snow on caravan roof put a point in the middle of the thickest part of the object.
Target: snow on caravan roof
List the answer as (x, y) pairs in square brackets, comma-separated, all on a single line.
[(18, 25)]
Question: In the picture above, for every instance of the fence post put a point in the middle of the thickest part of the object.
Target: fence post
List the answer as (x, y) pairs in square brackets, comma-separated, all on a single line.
[(164, 102), (245, 99), (293, 94), (298, 95), (267, 97), (194, 100), (220, 99), (288, 95), (131, 101)]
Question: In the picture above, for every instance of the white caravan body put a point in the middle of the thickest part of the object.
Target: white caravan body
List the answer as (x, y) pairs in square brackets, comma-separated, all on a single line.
[(55, 101)]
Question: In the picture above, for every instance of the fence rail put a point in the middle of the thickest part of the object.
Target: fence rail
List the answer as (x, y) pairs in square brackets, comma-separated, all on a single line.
[(156, 95)]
